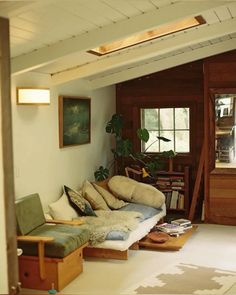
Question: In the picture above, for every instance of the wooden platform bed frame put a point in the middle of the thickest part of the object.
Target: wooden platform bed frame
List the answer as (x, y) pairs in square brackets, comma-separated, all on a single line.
[(109, 253), (119, 249)]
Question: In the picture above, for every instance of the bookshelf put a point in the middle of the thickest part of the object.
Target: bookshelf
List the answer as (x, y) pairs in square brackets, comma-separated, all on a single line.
[(175, 186)]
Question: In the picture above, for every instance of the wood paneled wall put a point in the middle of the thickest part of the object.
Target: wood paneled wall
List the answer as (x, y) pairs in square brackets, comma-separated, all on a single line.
[(185, 85), (179, 86)]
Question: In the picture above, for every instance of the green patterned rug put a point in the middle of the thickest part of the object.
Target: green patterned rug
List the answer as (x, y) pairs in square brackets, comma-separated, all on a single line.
[(188, 279)]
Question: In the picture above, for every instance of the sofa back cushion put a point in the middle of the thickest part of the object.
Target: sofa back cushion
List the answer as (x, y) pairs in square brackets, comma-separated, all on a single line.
[(122, 187), (133, 191), (29, 214), (61, 209), (111, 200), (93, 197)]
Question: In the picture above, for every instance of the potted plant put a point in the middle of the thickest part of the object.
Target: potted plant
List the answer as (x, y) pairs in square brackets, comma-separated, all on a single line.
[(124, 149)]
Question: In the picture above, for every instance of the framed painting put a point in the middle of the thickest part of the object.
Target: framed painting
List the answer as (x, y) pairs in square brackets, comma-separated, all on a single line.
[(74, 120)]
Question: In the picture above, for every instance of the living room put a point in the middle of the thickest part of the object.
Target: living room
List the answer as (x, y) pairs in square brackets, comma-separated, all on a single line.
[(41, 166)]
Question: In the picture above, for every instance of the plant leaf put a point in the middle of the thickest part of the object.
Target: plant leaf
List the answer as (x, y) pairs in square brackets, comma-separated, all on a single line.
[(169, 154), (163, 138), (143, 134), (101, 173), (115, 125)]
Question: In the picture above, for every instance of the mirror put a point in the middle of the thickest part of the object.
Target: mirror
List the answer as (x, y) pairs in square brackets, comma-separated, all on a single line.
[(225, 135)]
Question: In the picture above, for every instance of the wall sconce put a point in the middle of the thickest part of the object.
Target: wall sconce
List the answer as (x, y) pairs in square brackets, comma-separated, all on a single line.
[(31, 96)]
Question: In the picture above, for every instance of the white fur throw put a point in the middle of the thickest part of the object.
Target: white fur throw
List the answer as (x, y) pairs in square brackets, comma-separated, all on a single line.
[(133, 191), (107, 221)]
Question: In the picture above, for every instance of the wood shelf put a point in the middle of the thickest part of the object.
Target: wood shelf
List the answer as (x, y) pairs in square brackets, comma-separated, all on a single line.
[(175, 186)]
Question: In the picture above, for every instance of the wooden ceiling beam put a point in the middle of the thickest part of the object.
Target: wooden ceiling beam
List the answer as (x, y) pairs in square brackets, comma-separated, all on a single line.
[(163, 64), (116, 31), (140, 54)]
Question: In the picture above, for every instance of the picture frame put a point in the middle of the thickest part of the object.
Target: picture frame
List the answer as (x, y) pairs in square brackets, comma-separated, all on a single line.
[(74, 121)]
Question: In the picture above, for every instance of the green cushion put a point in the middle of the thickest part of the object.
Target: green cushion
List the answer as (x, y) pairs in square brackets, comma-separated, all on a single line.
[(67, 239), (29, 214)]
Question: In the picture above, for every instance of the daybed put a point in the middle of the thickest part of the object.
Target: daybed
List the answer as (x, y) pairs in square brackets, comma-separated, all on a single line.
[(142, 204)]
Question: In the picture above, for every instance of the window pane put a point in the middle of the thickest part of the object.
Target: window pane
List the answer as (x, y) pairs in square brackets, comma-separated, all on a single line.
[(182, 141), (166, 119), (166, 146), (150, 119), (182, 118), (154, 148)]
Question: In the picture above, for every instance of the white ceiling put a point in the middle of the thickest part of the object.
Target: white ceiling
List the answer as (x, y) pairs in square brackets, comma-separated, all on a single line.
[(53, 36)]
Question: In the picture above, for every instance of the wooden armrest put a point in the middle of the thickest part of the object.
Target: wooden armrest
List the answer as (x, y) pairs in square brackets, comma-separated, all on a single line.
[(34, 239), (41, 243), (68, 222)]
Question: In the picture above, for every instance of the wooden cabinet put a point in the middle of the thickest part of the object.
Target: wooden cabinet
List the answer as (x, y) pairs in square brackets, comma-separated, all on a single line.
[(175, 186), (222, 201)]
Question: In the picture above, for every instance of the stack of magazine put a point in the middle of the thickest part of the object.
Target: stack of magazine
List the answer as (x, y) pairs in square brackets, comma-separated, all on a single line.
[(171, 229), (175, 228), (185, 223)]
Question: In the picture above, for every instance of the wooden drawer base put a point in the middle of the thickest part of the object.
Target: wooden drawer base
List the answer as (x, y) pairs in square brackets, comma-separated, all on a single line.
[(59, 272)]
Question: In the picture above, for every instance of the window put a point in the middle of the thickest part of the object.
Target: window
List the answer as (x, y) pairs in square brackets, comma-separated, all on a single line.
[(172, 123), (164, 30)]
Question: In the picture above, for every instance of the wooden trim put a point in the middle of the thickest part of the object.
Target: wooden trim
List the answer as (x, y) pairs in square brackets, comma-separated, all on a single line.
[(68, 222), (34, 239), (105, 253), (41, 252), (223, 171), (197, 184), (7, 150), (206, 143)]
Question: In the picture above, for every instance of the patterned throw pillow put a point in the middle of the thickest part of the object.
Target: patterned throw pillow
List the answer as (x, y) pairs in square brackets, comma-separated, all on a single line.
[(77, 201)]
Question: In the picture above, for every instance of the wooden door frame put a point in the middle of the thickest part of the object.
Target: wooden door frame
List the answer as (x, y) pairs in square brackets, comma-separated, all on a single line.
[(7, 152)]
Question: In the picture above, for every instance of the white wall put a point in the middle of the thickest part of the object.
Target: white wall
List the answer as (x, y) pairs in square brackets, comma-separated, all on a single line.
[(40, 165)]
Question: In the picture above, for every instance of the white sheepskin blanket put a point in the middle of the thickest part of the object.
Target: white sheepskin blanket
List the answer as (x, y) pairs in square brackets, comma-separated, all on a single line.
[(107, 221)]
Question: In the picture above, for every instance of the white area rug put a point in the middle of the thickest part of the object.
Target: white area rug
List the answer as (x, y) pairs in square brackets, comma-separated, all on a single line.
[(187, 279)]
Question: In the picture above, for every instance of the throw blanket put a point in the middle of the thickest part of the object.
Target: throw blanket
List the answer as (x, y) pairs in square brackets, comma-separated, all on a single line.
[(107, 221)]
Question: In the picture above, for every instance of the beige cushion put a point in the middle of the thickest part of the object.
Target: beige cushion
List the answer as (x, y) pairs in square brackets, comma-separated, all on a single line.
[(62, 209), (111, 200), (136, 192), (93, 197), (148, 195), (122, 187)]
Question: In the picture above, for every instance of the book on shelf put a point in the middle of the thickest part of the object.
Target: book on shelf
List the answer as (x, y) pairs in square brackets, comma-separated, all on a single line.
[(178, 188), (177, 183), (181, 201), (168, 199), (174, 200)]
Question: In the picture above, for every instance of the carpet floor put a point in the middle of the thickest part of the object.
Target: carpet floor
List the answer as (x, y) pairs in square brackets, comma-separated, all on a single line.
[(208, 258)]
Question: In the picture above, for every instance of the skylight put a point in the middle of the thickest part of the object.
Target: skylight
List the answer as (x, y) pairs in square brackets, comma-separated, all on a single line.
[(148, 35)]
